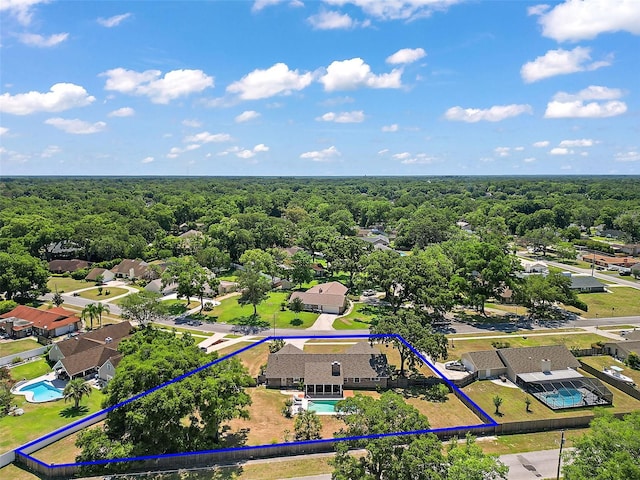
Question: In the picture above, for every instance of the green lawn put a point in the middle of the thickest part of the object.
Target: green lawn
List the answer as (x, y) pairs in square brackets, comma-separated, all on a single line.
[(621, 302), (230, 311), (601, 361), (16, 346), (30, 370), (360, 317), (94, 294), (40, 419), (66, 284), (177, 306)]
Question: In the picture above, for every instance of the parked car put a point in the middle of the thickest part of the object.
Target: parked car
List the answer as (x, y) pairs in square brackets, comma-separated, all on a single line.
[(455, 365), (181, 320), (369, 293), (194, 323)]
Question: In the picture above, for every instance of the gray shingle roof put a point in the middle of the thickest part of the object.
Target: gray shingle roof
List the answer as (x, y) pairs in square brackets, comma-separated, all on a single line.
[(529, 359), (585, 281), (485, 359)]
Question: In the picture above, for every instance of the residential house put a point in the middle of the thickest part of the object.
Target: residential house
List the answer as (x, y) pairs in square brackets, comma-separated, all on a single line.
[(527, 363), (621, 350), (318, 270), (67, 266), (362, 366), (534, 267), (131, 269), (227, 287), (23, 321), (90, 352), (291, 251), (96, 273), (631, 249), (586, 284), (377, 240), (325, 298), (607, 261), (157, 287), (487, 363)]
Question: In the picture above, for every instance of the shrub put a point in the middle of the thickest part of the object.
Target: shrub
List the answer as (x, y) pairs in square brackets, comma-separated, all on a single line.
[(208, 306), (633, 361), (16, 360), (7, 306), (499, 345), (80, 274), (286, 408)]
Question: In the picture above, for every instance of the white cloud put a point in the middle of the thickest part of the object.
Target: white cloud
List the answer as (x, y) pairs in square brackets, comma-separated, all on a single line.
[(76, 126), (331, 20), (541, 144), (406, 55), (22, 10), (147, 160), (354, 73), (384, 151), (560, 151), (560, 62), (3, 131), (174, 152), (113, 21), (592, 92), (191, 123), (357, 116), (35, 40), (246, 116), (174, 84), (50, 151), (518, 149), (529, 160), (276, 80), (536, 10), (578, 109), (396, 9), (390, 128), (630, 156), (206, 137), (493, 114), (331, 102), (260, 4), (418, 159), (576, 20), (401, 156), (326, 155), (502, 151), (261, 147), (583, 142), (246, 153), (61, 96), (123, 112)]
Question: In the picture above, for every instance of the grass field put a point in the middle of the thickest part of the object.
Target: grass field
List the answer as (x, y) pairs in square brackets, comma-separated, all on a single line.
[(66, 284), (230, 311), (30, 370), (12, 347), (621, 302), (360, 317), (177, 306), (94, 293), (42, 418), (602, 361)]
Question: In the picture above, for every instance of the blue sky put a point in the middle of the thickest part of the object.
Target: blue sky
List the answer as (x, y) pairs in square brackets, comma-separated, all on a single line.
[(332, 87)]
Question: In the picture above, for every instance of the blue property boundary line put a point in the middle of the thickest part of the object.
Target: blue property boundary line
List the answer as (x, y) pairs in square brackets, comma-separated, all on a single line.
[(489, 420)]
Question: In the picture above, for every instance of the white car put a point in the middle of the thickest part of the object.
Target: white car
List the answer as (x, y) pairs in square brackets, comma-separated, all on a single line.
[(455, 365)]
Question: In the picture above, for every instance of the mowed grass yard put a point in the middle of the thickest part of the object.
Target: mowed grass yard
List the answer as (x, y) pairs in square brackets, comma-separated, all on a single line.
[(621, 302), (94, 293), (11, 347), (67, 284), (360, 317), (602, 361), (230, 311)]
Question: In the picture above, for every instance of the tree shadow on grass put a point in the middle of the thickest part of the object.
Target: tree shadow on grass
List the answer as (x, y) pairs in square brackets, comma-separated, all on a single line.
[(210, 473), (71, 412)]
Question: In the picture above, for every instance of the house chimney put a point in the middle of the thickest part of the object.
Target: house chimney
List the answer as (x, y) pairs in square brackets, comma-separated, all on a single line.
[(546, 365), (335, 369)]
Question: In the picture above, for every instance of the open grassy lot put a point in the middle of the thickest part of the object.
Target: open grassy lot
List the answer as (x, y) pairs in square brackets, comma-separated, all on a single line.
[(570, 340), (94, 293), (528, 442), (602, 361), (62, 451), (230, 311), (11, 347), (66, 284), (516, 333), (40, 419), (252, 358), (360, 317), (621, 302), (30, 370)]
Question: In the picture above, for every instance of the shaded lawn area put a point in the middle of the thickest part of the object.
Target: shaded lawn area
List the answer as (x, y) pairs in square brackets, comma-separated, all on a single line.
[(40, 419), (230, 311), (66, 284), (252, 358), (517, 309), (94, 293), (30, 370), (513, 406), (194, 332), (360, 317), (177, 306), (602, 361), (578, 340), (16, 346), (528, 442), (621, 302)]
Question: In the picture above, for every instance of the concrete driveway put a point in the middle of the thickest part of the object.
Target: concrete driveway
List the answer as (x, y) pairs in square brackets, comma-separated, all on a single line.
[(324, 322)]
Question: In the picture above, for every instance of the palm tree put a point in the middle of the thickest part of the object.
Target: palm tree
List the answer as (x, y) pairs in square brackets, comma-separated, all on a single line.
[(99, 309), (76, 389), (89, 312)]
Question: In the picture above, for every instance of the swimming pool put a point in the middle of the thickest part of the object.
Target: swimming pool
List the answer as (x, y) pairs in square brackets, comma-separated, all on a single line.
[(42, 391), (563, 398), (323, 406)]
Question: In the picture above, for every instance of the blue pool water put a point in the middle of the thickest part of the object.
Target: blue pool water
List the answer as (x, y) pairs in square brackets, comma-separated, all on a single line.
[(323, 406), (43, 391), (564, 397)]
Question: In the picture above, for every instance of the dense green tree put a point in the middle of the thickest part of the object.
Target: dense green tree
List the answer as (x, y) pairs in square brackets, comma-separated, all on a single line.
[(191, 278), (346, 253), (22, 275), (254, 287), (142, 307), (307, 425), (301, 268), (610, 450), (629, 223), (416, 332), (258, 259)]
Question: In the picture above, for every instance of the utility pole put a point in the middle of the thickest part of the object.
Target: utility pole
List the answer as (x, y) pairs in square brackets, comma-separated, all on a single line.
[(560, 455)]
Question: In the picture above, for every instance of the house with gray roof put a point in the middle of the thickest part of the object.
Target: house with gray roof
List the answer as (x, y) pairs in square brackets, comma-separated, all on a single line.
[(328, 297), (362, 366), (586, 284), (621, 350), (487, 363)]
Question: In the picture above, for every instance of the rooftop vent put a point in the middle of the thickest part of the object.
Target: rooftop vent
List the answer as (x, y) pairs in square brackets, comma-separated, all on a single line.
[(335, 369)]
